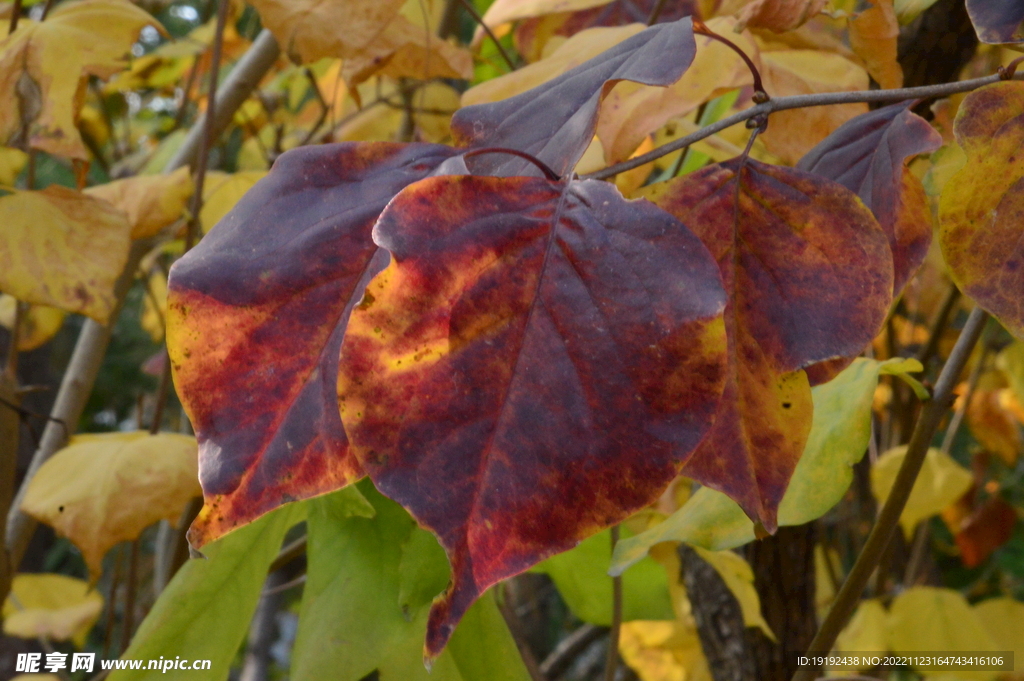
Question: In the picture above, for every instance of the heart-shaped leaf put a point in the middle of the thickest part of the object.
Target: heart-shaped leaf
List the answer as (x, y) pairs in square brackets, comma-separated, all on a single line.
[(534, 365)]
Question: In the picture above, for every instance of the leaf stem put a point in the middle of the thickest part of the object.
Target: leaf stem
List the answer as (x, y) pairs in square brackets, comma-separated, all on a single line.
[(656, 12), (612, 664), (551, 174), (468, 5), (881, 534), (796, 102), (700, 28)]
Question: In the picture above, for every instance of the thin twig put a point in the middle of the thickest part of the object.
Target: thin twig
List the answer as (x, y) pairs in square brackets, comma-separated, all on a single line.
[(612, 665), (46, 10), (324, 108), (796, 102), (289, 553), (881, 534), (961, 411), (700, 28), (15, 15), (568, 649), (468, 5), (209, 125)]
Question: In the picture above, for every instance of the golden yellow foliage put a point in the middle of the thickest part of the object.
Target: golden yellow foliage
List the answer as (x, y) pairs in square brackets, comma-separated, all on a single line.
[(940, 482), (57, 607), (106, 488)]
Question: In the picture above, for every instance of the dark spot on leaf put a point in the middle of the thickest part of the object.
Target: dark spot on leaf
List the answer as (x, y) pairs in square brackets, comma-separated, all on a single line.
[(786, 405), (60, 509)]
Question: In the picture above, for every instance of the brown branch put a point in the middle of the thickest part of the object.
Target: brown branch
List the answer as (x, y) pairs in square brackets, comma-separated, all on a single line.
[(568, 649), (881, 534), (796, 102), (515, 627)]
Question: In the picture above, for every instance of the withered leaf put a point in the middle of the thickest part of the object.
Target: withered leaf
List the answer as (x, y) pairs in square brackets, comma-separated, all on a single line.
[(981, 207), (808, 274), (555, 121), (535, 363), (255, 318)]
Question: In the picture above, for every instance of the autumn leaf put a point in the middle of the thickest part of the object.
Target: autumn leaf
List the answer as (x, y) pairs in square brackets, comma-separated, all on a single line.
[(377, 39), (980, 207), (154, 307), (150, 202), (1003, 619), (869, 156), (12, 161), (273, 284), (993, 425), (808, 273), (62, 248), (940, 482), (307, 30), (631, 111), (985, 530), (42, 65), (791, 134), (222, 191), (873, 35), (56, 607), (563, 109), (664, 651), (40, 324), (778, 15), (866, 631), (103, 489), (507, 11), (579, 48), (997, 21), (517, 305), (930, 618), (838, 439), (739, 579)]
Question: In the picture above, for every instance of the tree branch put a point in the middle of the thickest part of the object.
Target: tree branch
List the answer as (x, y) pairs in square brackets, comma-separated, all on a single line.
[(797, 102), (881, 534)]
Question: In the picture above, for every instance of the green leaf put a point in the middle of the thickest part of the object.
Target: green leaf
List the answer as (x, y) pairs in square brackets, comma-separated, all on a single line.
[(581, 576), (206, 609), (838, 439), (365, 603)]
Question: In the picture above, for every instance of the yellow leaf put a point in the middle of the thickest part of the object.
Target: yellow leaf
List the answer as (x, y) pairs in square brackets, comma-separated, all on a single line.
[(406, 50), (506, 11), (928, 618), (663, 651), (221, 191), (106, 488), (62, 248), (791, 134), (632, 111), (38, 326), (570, 54), (154, 307), (873, 35), (308, 30), (42, 66), (58, 607), (993, 425), (11, 163), (739, 577), (779, 15), (1003, 619), (940, 482), (151, 202), (866, 631)]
